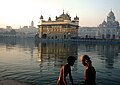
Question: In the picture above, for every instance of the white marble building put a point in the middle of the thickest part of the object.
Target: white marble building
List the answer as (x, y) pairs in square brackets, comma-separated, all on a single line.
[(88, 32), (109, 29)]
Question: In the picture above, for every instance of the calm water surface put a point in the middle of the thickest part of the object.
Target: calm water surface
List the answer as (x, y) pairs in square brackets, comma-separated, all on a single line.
[(39, 63)]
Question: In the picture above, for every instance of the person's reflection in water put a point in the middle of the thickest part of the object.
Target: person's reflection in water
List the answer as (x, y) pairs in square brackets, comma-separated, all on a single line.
[(89, 73), (66, 70)]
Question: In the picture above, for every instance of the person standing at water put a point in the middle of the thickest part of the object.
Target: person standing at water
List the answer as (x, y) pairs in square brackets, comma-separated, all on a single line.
[(89, 73), (66, 70)]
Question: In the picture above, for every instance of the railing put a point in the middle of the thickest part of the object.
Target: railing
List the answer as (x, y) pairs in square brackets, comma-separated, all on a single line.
[(107, 41)]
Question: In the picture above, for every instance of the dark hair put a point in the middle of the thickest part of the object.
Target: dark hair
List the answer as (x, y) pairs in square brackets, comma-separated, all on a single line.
[(86, 57), (71, 58)]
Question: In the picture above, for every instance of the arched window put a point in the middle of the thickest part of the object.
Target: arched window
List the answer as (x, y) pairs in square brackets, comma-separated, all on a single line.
[(86, 36), (44, 36), (64, 36), (113, 36), (55, 37)]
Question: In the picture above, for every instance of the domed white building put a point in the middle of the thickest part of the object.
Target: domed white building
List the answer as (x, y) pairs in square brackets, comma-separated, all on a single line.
[(109, 28)]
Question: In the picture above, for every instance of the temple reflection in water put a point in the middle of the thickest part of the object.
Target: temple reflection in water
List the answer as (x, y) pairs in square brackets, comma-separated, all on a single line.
[(58, 52), (55, 51)]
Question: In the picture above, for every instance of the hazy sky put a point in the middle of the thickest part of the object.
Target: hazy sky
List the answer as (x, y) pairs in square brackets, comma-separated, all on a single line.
[(18, 13)]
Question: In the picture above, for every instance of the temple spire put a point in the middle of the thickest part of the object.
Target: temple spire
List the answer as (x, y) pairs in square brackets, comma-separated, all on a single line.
[(63, 11)]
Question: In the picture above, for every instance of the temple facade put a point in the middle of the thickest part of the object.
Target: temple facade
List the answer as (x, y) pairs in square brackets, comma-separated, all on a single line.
[(109, 29), (88, 32), (62, 28)]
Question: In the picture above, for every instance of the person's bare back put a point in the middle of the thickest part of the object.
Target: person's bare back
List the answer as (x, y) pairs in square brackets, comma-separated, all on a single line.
[(66, 70)]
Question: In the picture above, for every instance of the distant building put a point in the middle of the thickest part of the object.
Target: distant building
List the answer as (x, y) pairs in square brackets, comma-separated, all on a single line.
[(88, 32), (32, 24), (27, 31), (25, 26), (109, 29), (62, 28), (8, 27)]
